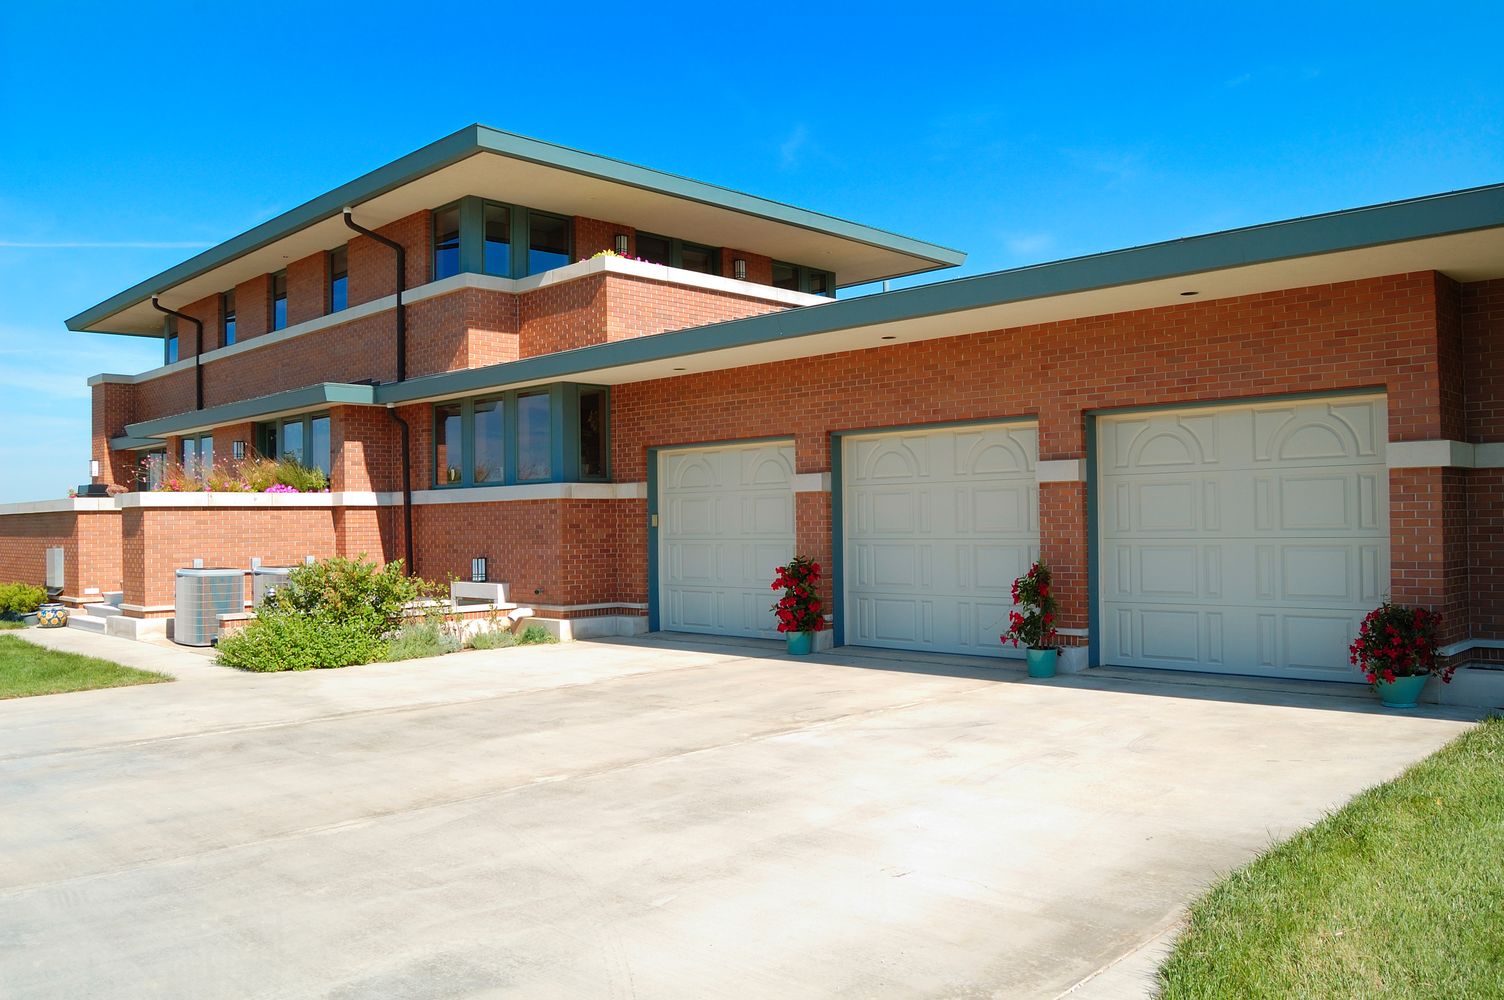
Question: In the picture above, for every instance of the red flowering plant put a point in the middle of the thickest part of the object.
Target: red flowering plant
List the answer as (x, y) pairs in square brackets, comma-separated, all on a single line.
[(1032, 619), (799, 609), (1396, 641)]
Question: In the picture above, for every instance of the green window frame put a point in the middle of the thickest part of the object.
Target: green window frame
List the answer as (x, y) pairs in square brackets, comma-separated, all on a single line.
[(798, 278), (676, 253), (515, 222), (313, 433), (169, 340), (577, 434)]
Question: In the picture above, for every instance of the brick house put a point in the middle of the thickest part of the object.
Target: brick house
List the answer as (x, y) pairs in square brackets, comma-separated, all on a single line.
[(1229, 447)]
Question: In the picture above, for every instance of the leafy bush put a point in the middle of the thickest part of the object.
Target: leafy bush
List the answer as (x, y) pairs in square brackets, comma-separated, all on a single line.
[(250, 475), (334, 613), (535, 635), (298, 642), (20, 599), (350, 591), (418, 641), (498, 638)]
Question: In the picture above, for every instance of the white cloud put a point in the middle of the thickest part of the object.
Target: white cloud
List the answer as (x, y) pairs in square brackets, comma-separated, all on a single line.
[(100, 245), (791, 150), (1028, 244)]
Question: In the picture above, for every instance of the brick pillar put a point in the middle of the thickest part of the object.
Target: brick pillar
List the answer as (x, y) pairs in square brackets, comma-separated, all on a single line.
[(113, 408), (1428, 544), (1063, 533)]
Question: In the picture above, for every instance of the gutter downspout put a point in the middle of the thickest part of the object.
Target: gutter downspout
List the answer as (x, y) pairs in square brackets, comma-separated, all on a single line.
[(198, 350), (405, 432)]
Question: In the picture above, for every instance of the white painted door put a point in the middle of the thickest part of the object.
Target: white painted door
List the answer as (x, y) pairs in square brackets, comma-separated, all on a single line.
[(1247, 540), (725, 523), (937, 525)]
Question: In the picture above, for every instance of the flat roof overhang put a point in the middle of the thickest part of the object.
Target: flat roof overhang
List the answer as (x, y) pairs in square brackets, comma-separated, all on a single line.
[(1460, 235), (499, 165)]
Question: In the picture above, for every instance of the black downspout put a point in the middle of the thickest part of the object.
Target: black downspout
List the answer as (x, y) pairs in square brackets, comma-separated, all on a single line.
[(198, 350), (405, 432)]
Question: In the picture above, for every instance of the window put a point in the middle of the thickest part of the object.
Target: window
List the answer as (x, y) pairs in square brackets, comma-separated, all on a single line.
[(548, 242), (498, 240), (693, 257), (170, 341), (318, 444), (785, 276), (153, 469), (448, 437), (290, 442), (511, 438), (297, 439), (490, 442), (803, 279), (339, 279), (446, 242), (279, 300), (198, 455), (227, 318), (592, 414), (654, 248)]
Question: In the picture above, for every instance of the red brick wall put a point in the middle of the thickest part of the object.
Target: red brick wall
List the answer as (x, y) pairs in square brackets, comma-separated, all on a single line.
[(591, 236), (372, 265), (158, 541), (253, 308), (91, 550), (307, 289), (113, 406), (759, 268), (1481, 311), (1375, 333)]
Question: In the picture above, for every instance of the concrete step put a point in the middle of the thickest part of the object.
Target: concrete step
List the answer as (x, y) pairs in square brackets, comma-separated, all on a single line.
[(97, 610), (87, 622), (114, 597)]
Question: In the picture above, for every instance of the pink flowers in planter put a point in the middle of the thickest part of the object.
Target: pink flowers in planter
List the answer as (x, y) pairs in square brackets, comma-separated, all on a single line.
[(279, 488)]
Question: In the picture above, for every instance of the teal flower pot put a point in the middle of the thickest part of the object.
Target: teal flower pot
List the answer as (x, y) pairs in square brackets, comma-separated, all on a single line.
[(801, 643), (1042, 662), (1402, 692)]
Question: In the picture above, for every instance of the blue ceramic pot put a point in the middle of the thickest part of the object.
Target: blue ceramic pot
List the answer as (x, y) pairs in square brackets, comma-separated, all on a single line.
[(1402, 692), (1042, 662), (800, 643)]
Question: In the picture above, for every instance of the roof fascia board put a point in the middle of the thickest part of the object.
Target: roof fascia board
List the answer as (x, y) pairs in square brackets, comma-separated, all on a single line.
[(325, 393)]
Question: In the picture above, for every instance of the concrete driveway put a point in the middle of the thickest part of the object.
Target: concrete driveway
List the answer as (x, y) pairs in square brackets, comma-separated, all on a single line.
[(643, 819)]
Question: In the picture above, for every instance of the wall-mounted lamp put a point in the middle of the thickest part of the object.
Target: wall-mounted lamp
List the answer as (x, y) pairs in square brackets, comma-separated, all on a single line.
[(237, 449), (478, 569), (621, 242), (739, 269), (93, 468)]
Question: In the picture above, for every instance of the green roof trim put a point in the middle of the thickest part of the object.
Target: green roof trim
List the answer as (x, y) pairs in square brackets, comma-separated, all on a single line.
[(308, 397), (1379, 225), (480, 139)]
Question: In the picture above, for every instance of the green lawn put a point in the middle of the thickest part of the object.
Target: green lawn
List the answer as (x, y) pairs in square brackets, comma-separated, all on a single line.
[(6, 625), (1398, 894), (26, 669)]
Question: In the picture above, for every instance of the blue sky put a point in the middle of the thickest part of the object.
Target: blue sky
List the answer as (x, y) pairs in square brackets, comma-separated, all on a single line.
[(133, 135)]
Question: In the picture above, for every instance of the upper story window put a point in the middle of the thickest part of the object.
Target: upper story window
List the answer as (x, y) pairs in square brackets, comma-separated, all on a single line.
[(678, 253), (548, 242), (339, 279), (227, 318), (555, 434), (497, 251), (279, 300), (170, 341), (803, 279), (446, 242)]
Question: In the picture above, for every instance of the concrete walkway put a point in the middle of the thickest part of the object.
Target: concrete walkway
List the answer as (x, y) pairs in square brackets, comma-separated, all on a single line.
[(645, 818)]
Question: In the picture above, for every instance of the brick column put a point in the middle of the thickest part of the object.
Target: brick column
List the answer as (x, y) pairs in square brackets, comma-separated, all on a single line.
[(1063, 533)]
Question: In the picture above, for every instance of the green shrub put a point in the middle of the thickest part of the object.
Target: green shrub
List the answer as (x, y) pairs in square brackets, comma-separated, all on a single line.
[(535, 635), (20, 599), (298, 642), (350, 591), (418, 641), (498, 638)]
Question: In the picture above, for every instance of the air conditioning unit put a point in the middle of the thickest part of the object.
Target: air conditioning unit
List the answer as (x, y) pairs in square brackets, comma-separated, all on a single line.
[(202, 596), (265, 579)]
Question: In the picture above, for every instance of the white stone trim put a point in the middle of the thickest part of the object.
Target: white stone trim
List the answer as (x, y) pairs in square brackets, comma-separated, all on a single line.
[(150, 608), (1461, 647), (221, 500), (811, 482), (590, 607), (1060, 470), (531, 491), (1429, 455), (1488, 456), (488, 282), (63, 505)]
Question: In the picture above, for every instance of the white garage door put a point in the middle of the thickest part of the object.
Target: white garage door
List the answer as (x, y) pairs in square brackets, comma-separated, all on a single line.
[(1247, 540), (725, 522), (937, 526)]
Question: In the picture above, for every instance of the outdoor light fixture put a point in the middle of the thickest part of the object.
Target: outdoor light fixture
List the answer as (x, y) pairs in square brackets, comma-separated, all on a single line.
[(93, 468), (237, 449), (478, 569), (621, 242), (739, 268)]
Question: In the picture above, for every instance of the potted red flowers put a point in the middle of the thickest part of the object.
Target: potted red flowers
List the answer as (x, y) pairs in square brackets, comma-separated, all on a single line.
[(799, 609), (1396, 650), (1032, 620)]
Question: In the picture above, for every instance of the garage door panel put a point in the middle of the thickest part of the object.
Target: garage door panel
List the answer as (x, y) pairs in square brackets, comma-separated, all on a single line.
[(1272, 518), (940, 524), (726, 522)]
